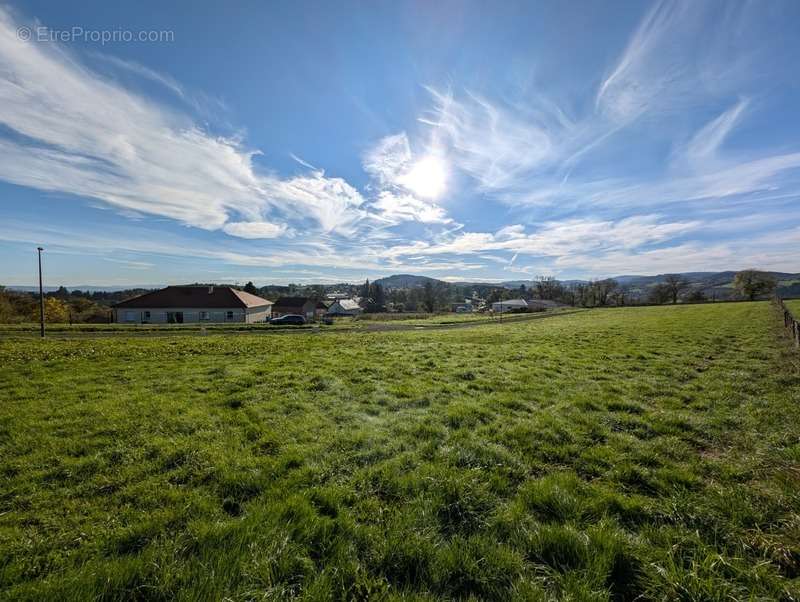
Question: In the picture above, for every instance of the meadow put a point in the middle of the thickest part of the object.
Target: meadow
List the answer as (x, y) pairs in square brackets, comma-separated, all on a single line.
[(363, 322), (614, 454)]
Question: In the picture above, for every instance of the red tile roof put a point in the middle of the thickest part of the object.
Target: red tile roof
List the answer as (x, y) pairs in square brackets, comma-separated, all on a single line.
[(212, 297)]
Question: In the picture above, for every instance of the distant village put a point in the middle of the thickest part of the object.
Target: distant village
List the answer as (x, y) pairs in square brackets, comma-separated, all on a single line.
[(399, 294), (193, 304)]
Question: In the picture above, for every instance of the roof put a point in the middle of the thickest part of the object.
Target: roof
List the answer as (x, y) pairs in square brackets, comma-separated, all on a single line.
[(348, 304), (292, 301), (201, 297)]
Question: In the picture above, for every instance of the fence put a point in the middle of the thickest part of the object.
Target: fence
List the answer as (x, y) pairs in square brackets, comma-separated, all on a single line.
[(790, 322)]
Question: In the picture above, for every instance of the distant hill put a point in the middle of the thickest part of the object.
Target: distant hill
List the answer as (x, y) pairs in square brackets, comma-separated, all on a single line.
[(86, 288), (405, 281), (718, 285)]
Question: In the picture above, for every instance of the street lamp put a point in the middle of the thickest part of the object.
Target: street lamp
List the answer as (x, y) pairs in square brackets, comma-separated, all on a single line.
[(41, 293)]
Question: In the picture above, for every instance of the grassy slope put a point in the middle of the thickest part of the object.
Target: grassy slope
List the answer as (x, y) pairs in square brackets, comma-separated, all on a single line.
[(609, 453), (794, 307)]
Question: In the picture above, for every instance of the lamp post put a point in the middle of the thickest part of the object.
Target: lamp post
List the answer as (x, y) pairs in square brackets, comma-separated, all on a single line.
[(41, 293)]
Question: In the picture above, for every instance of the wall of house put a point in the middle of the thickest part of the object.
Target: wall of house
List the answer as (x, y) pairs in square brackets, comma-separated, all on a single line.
[(258, 314), (190, 315)]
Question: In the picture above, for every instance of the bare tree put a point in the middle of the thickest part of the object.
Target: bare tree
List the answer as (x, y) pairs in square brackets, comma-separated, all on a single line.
[(548, 287), (676, 284), (602, 289), (659, 293)]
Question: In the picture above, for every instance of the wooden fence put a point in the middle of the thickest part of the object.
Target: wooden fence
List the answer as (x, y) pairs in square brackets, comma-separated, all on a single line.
[(790, 322)]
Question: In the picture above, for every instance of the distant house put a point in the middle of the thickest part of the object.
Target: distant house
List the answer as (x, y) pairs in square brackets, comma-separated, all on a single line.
[(192, 304), (301, 306), (344, 307), (463, 308), (501, 307), (334, 295)]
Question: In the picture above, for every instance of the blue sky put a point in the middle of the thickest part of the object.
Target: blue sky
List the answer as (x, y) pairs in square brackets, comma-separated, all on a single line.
[(296, 142)]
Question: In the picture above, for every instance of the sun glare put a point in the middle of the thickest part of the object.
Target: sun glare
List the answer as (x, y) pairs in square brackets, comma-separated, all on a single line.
[(427, 177)]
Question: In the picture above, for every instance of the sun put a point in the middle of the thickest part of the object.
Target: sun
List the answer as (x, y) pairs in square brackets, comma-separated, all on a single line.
[(427, 177)]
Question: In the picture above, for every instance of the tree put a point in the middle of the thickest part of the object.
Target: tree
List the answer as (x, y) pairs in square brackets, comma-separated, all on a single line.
[(7, 312), (548, 287), (429, 297), (602, 290), (676, 284), (55, 311), (618, 296), (377, 295), (659, 293), (250, 288), (697, 296), (753, 283)]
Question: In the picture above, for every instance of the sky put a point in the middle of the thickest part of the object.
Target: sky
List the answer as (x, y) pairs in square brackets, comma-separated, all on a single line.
[(175, 142)]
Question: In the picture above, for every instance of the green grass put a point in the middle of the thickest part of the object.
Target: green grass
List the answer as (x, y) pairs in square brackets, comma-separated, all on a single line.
[(440, 319), (29, 328), (794, 307), (643, 453), (363, 322)]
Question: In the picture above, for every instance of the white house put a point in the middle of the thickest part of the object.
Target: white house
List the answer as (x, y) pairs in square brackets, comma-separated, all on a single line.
[(193, 304), (344, 307), (501, 307)]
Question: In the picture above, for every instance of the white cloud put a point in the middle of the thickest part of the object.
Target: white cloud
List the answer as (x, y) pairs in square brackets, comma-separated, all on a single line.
[(170, 83), (406, 185), (330, 202), (77, 133), (397, 208), (491, 143), (661, 66), (389, 159), (556, 239), (254, 229), (706, 142)]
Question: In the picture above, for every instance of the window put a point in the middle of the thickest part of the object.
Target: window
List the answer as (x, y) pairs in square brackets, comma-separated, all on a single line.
[(204, 315), (229, 315), (147, 315), (130, 316)]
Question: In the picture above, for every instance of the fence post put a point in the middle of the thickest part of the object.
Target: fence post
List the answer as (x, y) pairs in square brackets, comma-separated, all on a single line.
[(790, 322)]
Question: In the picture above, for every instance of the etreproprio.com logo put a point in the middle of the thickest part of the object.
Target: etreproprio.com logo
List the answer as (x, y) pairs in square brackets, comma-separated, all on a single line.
[(98, 36)]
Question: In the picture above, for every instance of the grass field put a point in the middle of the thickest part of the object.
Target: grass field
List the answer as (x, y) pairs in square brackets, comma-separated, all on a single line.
[(363, 322), (643, 453), (794, 307)]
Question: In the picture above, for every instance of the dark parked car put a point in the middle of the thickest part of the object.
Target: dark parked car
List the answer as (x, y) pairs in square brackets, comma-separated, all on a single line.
[(288, 320)]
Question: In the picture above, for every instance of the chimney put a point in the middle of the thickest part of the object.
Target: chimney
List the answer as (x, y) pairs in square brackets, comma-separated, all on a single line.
[(211, 290)]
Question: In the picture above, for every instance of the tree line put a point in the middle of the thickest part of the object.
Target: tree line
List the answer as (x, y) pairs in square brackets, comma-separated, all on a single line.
[(61, 306), (76, 306)]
